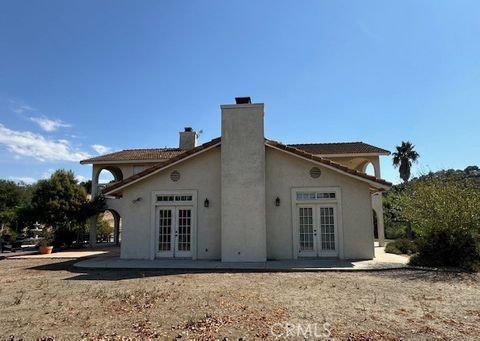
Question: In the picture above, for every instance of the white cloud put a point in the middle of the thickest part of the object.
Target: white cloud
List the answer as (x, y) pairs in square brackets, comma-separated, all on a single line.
[(48, 124), (28, 144), (23, 108), (48, 173), (100, 149), (80, 178), (26, 179)]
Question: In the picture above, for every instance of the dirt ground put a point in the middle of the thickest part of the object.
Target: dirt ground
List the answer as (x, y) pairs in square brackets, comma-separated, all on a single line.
[(49, 299)]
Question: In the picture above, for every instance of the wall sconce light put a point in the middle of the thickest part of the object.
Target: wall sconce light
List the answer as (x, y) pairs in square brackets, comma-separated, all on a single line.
[(277, 201), (206, 203)]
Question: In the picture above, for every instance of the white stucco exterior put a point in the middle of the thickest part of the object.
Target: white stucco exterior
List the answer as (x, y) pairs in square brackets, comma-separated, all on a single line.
[(245, 200)]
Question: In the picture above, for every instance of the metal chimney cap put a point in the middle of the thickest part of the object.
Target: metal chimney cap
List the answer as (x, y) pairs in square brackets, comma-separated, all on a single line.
[(189, 129), (243, 100)]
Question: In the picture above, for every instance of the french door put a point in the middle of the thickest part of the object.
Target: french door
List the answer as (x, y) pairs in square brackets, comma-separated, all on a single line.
[(317, 230), (174, 231)]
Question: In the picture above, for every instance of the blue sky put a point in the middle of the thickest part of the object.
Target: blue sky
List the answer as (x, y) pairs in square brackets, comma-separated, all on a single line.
[(79, 78)]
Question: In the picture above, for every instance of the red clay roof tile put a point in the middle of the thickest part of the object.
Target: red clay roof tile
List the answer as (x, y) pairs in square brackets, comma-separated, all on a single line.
[(216, 141)]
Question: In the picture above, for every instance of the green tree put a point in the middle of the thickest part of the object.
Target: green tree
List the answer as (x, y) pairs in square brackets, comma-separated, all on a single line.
[(59, 202), (10, 195), (14, 199), (446, 219), (104, 228), (87, 185), (403, 158)]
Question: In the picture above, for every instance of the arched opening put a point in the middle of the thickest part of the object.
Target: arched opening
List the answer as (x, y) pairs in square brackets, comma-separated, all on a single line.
[(107, 175), (108, 227), (368, 168)]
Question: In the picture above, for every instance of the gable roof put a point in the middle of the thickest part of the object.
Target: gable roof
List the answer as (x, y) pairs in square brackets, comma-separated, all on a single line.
[(152, 154), (186, 154), (115, 187), (163, 154), (305, 155), (340, 148)]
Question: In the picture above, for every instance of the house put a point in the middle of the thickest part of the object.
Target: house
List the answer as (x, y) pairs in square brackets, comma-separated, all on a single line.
[(242, 197)]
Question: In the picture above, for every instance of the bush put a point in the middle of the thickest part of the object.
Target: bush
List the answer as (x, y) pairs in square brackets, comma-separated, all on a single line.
[(446, 218), (47, 239), (11, 233), (444, 248), (395, 230), (66, 236), (401, 246)]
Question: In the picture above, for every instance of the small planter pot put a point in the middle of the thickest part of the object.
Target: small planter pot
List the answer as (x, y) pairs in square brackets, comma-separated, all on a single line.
[(45, 250)]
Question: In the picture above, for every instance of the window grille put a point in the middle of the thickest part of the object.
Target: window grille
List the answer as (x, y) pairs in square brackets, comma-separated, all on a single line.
[(305, 196)]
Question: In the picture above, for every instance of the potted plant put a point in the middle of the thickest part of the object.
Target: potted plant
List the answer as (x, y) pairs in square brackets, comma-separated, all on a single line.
[(45, 245)]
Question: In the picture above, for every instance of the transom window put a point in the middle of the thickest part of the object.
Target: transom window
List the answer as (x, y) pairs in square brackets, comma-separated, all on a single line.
[(315, 195), (174, 198)]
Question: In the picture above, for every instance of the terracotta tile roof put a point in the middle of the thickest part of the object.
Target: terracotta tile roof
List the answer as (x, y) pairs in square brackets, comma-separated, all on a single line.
[(160, 154), (340, 148), (153, 154), (160, 165), (217, 141), (325, 161)]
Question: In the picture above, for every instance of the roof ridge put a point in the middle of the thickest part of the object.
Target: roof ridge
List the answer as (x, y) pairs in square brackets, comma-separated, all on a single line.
[(310, 144), (165, 148)]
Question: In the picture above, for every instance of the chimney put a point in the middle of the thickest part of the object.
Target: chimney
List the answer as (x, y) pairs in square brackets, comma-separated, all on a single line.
[(243, 219), (188, 139)]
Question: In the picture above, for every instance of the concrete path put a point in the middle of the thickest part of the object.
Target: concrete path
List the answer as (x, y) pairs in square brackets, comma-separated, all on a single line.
[(382, 261), (71, 254)]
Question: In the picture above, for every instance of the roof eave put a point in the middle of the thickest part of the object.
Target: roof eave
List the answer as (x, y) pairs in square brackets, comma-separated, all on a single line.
[(374, 182), (168, 163), (109, 162), (353, 154)]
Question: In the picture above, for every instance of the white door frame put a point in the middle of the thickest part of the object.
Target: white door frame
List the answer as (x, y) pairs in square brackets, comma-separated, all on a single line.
[(337, 202), (173, 204), (313, 252), (320, 251)]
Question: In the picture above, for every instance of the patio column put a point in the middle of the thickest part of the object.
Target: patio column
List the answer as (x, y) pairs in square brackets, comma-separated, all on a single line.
[(93, 231), (377, 205)]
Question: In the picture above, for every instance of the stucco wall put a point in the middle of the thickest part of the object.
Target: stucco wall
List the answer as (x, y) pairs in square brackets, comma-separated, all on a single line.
[(201, 173), (359, 163), (284, 172), (243, 183)]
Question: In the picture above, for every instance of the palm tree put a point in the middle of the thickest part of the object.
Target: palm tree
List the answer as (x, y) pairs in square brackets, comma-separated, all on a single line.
[(403, 158)]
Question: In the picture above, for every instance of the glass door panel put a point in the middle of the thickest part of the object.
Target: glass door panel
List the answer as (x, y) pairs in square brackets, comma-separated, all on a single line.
[(307, 233)]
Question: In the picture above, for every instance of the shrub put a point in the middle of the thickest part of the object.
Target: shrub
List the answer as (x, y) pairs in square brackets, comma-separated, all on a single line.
[(47, 239), (446, 218), (401, 246), (448, 248), (395, 230)]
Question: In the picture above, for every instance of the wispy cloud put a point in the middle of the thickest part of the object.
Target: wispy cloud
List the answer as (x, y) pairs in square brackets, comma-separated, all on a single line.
[(25, 179), (369, 32), (100, 149), (28, 144), (23, 108), (80, 178), (48, 124)]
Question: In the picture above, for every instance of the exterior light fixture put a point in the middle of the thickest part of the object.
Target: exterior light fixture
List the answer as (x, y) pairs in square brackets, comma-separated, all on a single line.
[(277, 201), (206, 203)]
